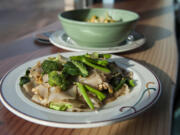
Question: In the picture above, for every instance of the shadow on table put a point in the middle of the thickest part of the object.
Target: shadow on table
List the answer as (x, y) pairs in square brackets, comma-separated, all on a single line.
[(157, 12), (152, 35), (159, 109)]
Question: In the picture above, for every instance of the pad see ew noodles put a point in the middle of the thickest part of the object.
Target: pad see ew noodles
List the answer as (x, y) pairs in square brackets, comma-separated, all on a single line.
[(76, 84)]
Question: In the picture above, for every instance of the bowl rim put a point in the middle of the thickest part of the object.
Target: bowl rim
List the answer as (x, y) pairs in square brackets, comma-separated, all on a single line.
[(96, 24)]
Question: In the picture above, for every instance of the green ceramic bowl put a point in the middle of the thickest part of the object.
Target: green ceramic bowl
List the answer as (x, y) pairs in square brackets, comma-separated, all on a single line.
[(98, 34)]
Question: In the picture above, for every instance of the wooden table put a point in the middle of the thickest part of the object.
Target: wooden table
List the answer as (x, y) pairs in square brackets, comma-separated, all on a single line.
[(159, 54)]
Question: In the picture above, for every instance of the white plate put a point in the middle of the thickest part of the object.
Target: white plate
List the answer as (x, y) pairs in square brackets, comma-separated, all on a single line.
[(60, 39), (143, 95)]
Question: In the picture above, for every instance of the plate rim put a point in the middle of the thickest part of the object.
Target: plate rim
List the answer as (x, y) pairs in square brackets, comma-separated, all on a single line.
[(80, 124), (116, 50)]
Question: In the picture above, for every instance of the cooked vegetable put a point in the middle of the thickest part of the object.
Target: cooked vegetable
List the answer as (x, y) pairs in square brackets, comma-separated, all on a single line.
[(121, 83), (101, 96), (105, 56), (50, 65), (89, 63), (85, 96), (71, 69), (58, 79), (131, 83), (101, 19), (79, 83), (60, 107), (115, 79), (56, 59), (104, 69), (81, 68), (96, 55), (27, 71), (101, 62), (24, 80)]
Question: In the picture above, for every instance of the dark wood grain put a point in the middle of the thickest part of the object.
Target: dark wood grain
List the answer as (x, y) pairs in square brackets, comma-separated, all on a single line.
[(159, 54)]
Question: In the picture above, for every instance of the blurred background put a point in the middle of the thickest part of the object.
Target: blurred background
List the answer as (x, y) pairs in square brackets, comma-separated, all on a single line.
[(19, 17)]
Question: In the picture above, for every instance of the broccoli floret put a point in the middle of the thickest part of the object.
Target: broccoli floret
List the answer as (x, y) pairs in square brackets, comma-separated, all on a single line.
[(24, 80), (49, 65), (71, 69), (56, 79)]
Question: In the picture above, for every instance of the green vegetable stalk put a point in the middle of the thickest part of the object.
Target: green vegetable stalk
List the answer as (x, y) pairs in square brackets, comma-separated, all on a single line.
[(81, 68), (105, 56), (100, 62), (121, 83), (96, 55), (106, 70), (84, 94), (101, 96), (131, 83), (89, 62), (59, 107)]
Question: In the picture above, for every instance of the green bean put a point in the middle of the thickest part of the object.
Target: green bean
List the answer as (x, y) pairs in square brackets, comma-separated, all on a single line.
[(84, 94), (101, 96)]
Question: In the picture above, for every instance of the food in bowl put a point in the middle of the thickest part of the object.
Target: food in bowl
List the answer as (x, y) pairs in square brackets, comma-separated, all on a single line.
[(76, 84), (101, 35), (101, 19)]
